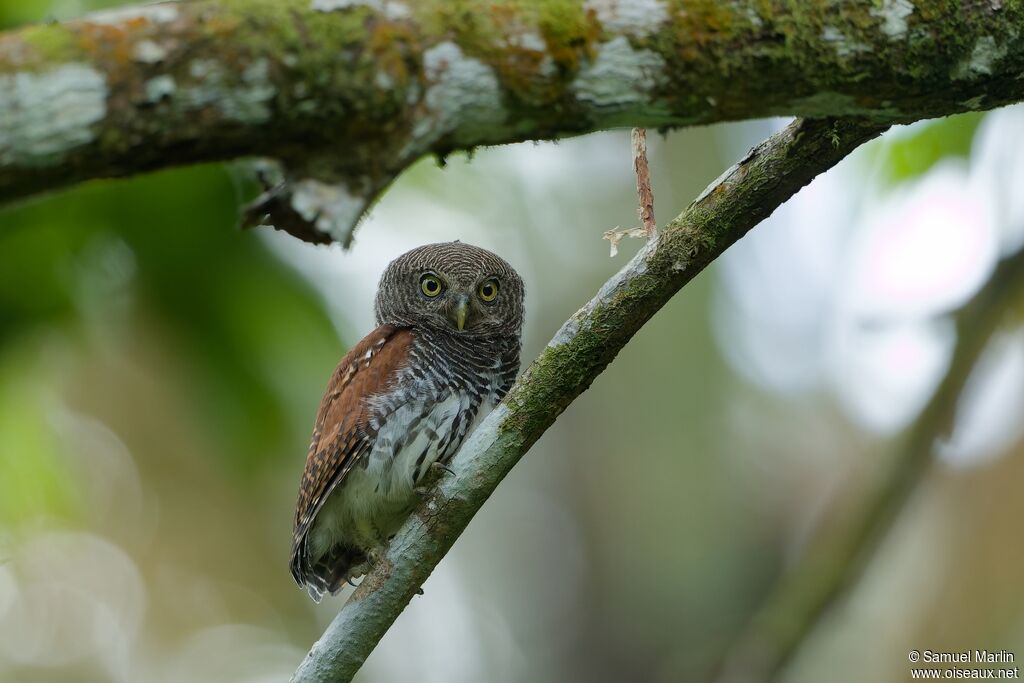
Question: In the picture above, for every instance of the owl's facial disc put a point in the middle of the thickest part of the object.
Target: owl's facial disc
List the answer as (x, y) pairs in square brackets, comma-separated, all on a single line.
[(453, 288)]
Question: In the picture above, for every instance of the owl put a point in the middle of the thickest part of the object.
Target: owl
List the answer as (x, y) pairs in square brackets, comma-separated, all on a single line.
[(444, 353)]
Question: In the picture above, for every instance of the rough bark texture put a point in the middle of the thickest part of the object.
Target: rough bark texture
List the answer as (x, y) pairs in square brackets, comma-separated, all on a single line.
[(349, 92), (586, 344)]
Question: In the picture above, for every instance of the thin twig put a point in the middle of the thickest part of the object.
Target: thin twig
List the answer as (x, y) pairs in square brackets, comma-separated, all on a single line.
[(643, 182), (615, 236), (648, 227), (579, 352)]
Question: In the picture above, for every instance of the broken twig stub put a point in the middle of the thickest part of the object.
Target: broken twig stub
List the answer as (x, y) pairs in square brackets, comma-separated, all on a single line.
[(643, 182), (648, 227)]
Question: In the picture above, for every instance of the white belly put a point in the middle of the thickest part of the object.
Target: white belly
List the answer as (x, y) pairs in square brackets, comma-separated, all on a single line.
[(373, 500)]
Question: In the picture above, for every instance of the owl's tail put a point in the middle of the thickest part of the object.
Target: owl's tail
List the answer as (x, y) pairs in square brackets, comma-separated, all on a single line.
[(327, 573)]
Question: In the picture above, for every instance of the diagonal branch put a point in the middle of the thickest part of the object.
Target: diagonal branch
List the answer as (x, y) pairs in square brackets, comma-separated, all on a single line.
[(746, 194), (838, 555)]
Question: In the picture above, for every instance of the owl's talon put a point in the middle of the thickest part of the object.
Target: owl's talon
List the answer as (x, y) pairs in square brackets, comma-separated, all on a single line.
[(441, 466), (421, 491)]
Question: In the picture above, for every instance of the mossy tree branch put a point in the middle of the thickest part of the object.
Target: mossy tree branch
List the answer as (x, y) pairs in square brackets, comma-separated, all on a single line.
[(347, 93), (586, 344)]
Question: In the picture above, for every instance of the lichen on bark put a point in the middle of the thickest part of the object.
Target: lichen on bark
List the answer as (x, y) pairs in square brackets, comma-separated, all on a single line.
[(350, 93)]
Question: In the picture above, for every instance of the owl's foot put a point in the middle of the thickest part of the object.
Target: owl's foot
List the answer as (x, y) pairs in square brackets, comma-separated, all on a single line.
[(359, 570), (375, 556)]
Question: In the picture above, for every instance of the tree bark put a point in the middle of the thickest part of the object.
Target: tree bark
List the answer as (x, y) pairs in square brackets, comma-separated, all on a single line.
[(347, 93)]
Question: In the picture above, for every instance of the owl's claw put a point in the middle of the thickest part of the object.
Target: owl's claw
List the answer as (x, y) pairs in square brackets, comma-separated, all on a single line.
[(441, 466), (421, 491)]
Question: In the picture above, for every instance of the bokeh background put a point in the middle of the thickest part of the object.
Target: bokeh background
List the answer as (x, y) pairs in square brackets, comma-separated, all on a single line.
[(160, 369)]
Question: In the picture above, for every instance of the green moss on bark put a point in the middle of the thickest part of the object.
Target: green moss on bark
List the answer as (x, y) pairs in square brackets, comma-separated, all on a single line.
[(349, 85), (39, 48)]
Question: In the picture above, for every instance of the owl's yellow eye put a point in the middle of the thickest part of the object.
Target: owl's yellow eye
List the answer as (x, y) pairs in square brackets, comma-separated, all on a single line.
[(489, 290), (431, 285)]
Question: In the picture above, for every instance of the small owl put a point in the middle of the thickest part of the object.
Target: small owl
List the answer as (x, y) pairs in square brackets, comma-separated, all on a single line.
[(445, 352)]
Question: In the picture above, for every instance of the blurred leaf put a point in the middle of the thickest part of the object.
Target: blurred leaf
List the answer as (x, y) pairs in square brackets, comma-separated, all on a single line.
[(248, 331), (33, 285), (34, 481), (911, 155), (17, 12)]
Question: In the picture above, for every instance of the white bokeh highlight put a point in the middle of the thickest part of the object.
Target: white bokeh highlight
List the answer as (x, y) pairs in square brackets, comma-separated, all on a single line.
[(847, 288)]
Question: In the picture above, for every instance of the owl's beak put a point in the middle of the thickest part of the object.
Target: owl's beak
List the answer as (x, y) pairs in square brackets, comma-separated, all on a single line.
[(460, 311)]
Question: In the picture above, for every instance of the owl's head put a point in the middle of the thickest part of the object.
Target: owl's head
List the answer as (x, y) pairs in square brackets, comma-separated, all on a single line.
[(452, 287)]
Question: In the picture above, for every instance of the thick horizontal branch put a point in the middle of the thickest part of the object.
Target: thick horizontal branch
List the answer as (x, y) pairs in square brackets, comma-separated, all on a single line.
[(586, 344), (349, 92)]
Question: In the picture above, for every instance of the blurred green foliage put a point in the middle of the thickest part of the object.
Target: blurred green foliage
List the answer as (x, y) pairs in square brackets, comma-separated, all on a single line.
[(16, 12), (34, 483), (909, 156), (164, 245)]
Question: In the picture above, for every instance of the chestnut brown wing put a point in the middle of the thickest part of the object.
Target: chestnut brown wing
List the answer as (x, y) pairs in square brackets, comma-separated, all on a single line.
[(340, 434)]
